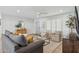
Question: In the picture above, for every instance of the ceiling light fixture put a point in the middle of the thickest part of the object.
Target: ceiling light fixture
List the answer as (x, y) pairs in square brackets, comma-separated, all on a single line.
[(18, 11), (60, 11)]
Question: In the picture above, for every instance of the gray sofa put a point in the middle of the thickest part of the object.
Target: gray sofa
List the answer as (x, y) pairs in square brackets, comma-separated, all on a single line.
[(9, 47)]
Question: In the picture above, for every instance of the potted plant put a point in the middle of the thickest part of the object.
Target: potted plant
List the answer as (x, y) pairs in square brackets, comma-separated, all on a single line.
[(71, 24), (19, 25)]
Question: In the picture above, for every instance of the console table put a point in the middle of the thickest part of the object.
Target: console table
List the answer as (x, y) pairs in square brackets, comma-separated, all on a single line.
[(70, 46)]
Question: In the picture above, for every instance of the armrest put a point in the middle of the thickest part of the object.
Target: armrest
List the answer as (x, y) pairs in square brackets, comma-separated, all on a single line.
[(7, 45), (31, 47)]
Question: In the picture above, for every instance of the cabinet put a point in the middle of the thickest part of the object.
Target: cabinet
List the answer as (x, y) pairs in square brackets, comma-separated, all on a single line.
[(70, 46)]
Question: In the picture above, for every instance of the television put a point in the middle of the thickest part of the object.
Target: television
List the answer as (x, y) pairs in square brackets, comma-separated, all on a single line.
[(77, 21)]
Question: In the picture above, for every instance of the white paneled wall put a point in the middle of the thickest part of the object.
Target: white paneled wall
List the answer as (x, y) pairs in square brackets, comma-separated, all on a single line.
[(54, 23), (9, 22)]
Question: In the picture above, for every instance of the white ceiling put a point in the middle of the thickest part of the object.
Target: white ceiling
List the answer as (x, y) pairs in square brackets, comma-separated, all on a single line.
[(31, 11)]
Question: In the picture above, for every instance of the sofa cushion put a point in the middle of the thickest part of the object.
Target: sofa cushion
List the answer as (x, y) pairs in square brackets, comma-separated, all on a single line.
[(18, 39)]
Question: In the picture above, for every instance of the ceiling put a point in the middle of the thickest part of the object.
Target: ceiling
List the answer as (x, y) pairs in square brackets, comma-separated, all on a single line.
[(31, 11)]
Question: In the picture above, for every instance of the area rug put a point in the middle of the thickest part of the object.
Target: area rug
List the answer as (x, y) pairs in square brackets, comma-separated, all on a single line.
[(53, 47)]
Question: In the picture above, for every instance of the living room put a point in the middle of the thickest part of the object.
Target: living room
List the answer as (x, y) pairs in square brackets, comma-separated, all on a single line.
[(46, 24)]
